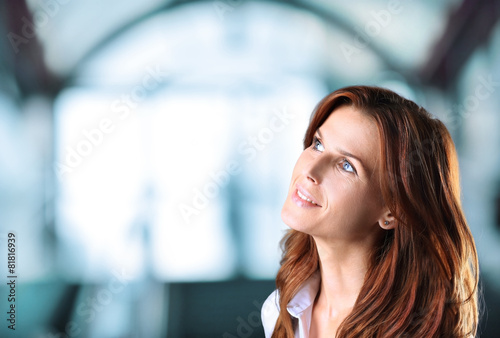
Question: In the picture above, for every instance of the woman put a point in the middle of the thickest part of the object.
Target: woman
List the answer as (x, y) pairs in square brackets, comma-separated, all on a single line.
[(379, 245)]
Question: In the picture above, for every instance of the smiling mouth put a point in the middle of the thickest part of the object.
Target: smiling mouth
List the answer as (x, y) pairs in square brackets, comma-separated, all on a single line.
[(305, 198)]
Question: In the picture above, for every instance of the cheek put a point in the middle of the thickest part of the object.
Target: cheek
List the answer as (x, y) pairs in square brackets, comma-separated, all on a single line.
[(342, 192), (350, 199)]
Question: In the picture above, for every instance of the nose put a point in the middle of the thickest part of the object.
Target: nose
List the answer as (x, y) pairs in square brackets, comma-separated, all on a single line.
[(312, 179), (315, 169)]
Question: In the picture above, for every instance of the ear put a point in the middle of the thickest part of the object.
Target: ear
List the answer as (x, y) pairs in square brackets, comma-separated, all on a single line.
[(387, 221)]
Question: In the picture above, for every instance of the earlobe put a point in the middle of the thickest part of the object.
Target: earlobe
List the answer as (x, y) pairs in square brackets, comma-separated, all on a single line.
[(387, 222), (388, 225)]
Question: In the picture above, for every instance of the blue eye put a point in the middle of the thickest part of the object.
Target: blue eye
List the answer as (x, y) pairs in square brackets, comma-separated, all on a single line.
[(347, 166), (317, 145)]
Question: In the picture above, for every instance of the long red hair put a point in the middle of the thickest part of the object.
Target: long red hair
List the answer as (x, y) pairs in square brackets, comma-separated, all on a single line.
[(422, 279)]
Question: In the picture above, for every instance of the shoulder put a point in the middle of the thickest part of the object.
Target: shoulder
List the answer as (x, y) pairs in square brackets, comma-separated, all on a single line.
[(270, 312)]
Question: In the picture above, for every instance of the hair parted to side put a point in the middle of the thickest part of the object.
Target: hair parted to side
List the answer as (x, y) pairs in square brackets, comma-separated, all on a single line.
[(422, 280)]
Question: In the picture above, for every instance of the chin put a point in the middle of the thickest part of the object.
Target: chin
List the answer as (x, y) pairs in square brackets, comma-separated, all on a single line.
[(293, 221), (287, 217)]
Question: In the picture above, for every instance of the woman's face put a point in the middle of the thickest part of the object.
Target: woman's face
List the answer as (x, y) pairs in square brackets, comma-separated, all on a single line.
[(334, 193)]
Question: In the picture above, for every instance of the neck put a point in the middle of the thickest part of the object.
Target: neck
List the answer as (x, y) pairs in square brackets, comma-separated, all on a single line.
[(343, 269)]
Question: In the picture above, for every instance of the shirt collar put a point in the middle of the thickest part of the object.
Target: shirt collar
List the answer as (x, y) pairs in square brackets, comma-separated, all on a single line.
[(305, 297)]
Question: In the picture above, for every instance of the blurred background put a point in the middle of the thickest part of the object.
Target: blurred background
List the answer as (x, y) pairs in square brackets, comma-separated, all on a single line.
[(146, 147)]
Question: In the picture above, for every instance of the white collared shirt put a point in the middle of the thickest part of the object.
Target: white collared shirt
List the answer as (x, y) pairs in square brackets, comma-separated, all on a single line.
[(300, 307)]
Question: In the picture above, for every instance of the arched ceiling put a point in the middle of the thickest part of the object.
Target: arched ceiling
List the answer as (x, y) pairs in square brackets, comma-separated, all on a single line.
[(426, 40)]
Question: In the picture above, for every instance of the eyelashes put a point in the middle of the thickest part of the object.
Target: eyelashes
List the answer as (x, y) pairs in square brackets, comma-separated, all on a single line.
[(345, 161), (345, 165), (316, 144)]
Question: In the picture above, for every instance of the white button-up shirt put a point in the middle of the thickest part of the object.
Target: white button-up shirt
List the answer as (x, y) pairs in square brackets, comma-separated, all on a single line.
[(300, 307)]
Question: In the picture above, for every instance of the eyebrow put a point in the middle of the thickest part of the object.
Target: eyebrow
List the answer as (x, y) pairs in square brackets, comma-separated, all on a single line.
[(346, 153)]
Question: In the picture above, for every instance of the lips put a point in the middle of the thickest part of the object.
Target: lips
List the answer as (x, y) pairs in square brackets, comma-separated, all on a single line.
[(303, 198)]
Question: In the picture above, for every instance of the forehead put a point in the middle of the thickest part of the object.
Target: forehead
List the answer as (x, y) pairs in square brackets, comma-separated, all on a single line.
[(351, 130)]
